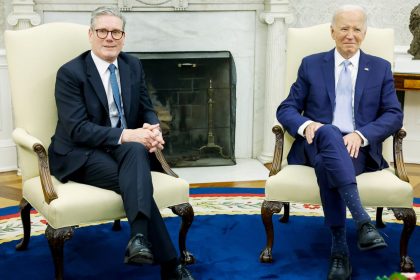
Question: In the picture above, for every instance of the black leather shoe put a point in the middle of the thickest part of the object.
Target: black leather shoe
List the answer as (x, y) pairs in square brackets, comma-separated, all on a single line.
[(340, 268), (179, 272), (369, 237), (138, 251)]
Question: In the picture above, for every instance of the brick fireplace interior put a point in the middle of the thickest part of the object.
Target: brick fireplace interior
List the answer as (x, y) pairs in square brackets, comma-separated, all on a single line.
[(194, 95)]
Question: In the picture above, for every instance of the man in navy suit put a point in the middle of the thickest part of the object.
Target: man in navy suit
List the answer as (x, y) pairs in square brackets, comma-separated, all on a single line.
[(341, 108), (106, 133)]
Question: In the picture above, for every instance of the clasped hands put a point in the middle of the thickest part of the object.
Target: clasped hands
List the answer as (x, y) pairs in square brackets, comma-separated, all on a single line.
[(352, 141), (149, 135)]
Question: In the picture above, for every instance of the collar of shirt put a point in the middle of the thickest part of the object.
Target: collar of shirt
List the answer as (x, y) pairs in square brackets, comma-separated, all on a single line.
[(101, 64), (338, 59)]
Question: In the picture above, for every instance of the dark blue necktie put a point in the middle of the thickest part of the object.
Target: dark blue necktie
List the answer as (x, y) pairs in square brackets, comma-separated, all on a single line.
[(343, 113), (116, 94)]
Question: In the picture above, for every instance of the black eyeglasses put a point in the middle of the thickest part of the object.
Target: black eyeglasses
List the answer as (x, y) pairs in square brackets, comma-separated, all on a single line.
[(103, 33)]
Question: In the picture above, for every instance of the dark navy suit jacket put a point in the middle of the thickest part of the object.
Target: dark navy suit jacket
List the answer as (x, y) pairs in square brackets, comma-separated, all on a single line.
[(83, 114), (377, 111)]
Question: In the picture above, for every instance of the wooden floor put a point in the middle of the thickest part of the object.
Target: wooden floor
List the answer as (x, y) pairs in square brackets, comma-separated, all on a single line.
[(10, 185)]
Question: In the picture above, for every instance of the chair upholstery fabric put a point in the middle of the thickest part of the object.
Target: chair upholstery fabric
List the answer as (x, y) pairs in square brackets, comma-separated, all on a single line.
[(96, 204)]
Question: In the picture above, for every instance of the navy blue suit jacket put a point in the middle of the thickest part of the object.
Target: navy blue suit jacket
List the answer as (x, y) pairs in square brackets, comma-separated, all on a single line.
[(83, 114), (377, 111)]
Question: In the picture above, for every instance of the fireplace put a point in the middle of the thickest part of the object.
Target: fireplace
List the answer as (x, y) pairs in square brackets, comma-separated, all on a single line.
[(194, 95)]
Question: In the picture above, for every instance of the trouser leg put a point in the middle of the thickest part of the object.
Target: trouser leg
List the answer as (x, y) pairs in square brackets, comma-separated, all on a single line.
[(334, 169), (126, 170)]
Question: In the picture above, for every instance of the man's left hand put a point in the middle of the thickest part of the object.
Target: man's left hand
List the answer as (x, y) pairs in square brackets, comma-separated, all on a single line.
[(353, 142)]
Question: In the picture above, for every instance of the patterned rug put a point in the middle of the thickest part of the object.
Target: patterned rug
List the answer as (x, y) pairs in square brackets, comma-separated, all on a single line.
[(205, 201)]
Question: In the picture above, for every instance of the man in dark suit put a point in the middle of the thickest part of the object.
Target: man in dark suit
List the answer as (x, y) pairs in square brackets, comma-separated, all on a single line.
[(106, 130), (341, 108)]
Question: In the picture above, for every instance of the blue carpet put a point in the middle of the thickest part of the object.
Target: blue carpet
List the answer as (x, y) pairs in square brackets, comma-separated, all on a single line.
[(225, 246)]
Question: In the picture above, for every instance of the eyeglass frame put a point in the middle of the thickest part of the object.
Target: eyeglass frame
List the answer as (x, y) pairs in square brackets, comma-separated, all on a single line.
[(112, 34)]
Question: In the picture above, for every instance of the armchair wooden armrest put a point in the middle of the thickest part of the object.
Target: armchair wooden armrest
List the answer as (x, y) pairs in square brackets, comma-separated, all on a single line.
[(278, 149), (164, 163), (398, 155), (29, 142)]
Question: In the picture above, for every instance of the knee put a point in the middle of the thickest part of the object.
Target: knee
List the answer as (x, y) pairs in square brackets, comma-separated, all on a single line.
[(328, 133), (135, 148)]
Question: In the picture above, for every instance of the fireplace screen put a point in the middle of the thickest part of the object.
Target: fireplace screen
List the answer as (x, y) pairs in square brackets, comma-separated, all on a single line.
[(194, 96)]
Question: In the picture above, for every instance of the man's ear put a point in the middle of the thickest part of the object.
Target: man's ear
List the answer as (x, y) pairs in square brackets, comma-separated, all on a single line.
[(332, 31)]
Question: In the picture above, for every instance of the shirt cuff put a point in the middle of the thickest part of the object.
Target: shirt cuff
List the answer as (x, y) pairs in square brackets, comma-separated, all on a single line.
[(365, 141), (119, 140), (301, 129)]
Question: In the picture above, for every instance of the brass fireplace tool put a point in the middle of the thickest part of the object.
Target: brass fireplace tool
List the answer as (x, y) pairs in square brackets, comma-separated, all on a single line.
[(210, 136)]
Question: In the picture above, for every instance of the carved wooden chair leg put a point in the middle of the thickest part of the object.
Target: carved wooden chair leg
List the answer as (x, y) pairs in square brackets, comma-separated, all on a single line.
[(56, 239), (268, 208), (379, 221), (286, 212), (409, 218), (186, 212), (117, 225), (25, 215)]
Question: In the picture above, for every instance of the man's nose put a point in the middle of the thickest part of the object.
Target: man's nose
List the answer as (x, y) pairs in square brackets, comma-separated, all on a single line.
[(350, 34), (109, 36)]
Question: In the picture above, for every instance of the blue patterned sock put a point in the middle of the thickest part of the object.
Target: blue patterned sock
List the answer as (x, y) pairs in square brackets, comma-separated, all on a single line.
[(339, 241), (351, 198)]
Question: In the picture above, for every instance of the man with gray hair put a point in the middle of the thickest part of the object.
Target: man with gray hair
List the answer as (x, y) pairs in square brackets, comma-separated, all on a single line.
[(341, 108), (106, 134)]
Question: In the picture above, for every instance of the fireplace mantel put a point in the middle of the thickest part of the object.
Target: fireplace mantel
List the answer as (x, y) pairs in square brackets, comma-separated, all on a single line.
[(252, 30)]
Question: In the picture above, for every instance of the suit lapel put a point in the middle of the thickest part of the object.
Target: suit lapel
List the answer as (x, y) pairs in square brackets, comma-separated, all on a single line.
[(96, 82), (125, 80), (362, 78), (329, 76)]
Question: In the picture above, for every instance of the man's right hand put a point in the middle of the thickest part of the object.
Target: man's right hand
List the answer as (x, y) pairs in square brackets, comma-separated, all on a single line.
[(310, 131)]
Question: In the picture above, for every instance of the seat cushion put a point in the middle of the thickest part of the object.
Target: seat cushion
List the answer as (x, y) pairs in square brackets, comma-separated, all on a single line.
[(80, 203), (297, 183)]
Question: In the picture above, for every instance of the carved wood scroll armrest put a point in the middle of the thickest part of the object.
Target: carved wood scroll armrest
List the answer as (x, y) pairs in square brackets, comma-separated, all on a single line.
[(165, 165), (278, 149), (398, 154), (28, 142)]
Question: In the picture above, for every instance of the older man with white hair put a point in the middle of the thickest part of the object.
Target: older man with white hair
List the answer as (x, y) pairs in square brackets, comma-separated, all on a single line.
[(341, 108)]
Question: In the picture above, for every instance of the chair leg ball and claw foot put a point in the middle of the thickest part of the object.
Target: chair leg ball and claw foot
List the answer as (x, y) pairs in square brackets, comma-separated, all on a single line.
[(186, 212), (268, 208)]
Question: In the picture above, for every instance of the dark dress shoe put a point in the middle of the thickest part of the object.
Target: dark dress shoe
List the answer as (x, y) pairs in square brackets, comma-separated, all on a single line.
[(138, 251), (178, 272), (340, 268), (369, 238)]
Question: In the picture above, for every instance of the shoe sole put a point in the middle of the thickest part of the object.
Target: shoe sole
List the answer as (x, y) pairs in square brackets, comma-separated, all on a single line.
[(139, 259), (373, 247), (350, 272)]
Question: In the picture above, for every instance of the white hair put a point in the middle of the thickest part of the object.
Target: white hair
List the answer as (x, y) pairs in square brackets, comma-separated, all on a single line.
[(347, 8)]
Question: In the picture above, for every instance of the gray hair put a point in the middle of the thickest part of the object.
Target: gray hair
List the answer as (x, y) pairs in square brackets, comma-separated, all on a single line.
[(101, 11), (346, 8)]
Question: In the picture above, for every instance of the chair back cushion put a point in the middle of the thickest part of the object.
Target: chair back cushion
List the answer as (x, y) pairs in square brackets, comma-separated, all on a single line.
[(302, 42), (34, 56)]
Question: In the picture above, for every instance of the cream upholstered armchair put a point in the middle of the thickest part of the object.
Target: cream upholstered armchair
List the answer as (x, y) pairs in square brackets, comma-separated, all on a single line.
[(297, 183), (34, 56)]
